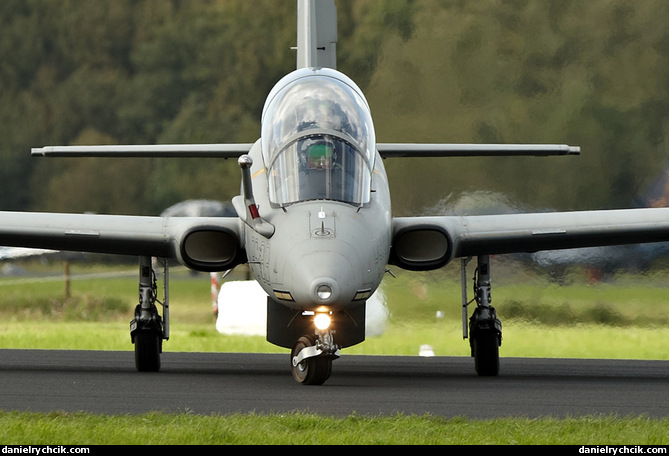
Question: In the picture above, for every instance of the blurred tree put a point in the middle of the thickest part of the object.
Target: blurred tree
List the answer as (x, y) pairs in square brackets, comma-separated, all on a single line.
[(595, 74), (586, 73)]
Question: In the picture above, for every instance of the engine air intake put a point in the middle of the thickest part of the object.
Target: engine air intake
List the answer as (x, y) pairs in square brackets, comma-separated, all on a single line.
[(421, 248)]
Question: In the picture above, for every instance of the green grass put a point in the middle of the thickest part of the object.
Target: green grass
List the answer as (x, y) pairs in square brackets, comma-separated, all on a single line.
[(625, 317), (301, 428)]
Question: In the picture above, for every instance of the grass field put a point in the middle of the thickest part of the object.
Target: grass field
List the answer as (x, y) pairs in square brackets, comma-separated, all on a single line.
[(625, 316), (307, 429)]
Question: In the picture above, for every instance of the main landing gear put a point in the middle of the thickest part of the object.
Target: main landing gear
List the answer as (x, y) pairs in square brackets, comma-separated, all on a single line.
[(312, 355), (485, 329), (148, 329)]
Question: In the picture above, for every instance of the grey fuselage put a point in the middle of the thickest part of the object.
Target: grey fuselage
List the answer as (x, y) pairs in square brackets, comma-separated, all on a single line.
[(324, 253)]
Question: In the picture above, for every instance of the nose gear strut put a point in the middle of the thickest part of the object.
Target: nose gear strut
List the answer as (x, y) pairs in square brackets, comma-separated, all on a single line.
[(312, 356)]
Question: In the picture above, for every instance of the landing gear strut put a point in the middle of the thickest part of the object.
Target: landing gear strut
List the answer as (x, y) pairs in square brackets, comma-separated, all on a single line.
[(312, 356), (485, 329), (148, 329)]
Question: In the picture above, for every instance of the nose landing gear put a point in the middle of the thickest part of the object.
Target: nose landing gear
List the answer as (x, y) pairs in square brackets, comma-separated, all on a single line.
[(310, 337), (311, 358)]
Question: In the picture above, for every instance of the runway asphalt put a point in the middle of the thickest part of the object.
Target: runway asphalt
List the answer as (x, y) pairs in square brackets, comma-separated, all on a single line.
[(222, 383)]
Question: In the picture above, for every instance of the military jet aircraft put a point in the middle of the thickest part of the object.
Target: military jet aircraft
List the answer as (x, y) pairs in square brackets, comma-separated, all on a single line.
[(314, 220)]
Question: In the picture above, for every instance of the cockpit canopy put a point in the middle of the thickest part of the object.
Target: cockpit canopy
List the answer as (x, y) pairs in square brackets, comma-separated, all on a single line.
[(318, 139)]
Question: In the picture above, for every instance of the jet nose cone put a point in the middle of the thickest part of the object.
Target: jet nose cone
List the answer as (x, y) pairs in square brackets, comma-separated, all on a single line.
[(324, 280)]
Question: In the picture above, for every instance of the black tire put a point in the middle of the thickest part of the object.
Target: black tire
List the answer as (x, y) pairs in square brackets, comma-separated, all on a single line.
[(147, 351), (485, 348), (311, 371)]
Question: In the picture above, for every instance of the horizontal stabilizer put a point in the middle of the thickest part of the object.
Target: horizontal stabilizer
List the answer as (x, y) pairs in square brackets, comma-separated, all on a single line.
[(159, 150), (474, 150)]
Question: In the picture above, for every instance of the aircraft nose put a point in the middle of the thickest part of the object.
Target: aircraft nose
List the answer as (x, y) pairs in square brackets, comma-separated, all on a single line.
[(324, 279)]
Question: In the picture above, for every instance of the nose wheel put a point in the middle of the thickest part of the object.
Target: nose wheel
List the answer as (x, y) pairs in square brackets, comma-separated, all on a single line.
[(310, 364)]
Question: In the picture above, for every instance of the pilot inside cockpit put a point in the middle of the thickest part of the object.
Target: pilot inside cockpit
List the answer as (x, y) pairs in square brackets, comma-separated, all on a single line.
[(317, 167)]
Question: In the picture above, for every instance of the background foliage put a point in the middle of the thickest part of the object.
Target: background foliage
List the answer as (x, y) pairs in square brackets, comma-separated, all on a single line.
[(594, 74)]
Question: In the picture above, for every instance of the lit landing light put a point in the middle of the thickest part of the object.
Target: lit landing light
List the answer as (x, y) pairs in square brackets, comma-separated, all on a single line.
[(322, 321)]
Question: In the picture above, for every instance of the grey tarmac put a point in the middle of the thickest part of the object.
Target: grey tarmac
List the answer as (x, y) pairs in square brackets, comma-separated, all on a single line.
[(105, 382)]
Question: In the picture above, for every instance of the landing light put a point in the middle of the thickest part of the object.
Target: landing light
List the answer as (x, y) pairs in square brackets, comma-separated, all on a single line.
[(322, 321), (324, 292)]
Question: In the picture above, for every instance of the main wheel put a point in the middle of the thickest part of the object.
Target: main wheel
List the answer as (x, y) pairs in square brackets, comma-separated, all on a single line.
[(311, 371), (485, 348), (147, 351)]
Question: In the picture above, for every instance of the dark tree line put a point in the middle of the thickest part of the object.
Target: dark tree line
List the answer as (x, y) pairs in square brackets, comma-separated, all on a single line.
[(594, 74)]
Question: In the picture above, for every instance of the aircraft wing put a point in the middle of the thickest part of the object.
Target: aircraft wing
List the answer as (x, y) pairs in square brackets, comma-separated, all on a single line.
[(159, 150), (387, 150), (201, 243), (422, 243), (235, 150)]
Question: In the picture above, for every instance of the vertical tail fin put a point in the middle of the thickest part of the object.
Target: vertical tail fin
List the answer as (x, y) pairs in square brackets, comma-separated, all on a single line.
[(316, 34)]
